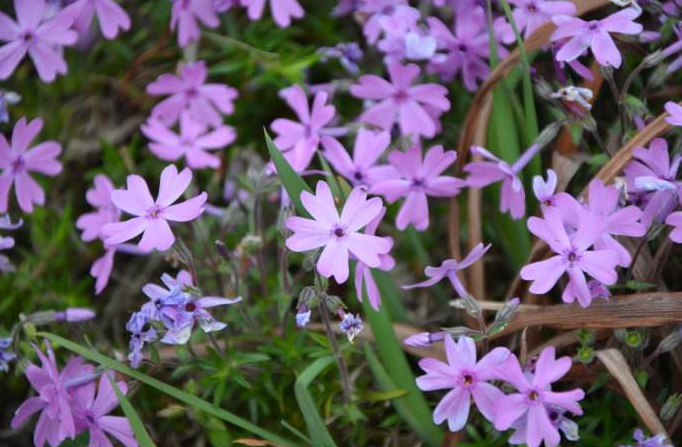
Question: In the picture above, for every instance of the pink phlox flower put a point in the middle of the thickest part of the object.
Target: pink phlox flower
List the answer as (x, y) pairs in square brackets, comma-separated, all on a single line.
[(530, 15), (545, 190), (674, 113), (152, 216), (362, 169), (193, 142), (572, 255), (339, 235), (282, 10), (91, 413), (651, 180), (465, 49), (105, 211), (400, 101), (185, 15), (449, 268), (40, 37), (465, 379), (654, 441), (383, 14), (17, 161), (363, 273), (189, 91), (595, 35), (299, 141), (110, 16), (535, 399), (416, 179), (56, 422), (406, 40)]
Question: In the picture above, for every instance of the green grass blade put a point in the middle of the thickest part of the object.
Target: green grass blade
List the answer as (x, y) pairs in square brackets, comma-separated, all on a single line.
[(187, 398), (317, 430), (292, 182), (136, 424)]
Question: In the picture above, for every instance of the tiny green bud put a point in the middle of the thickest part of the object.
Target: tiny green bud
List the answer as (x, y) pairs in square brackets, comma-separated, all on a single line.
[(670, 407)]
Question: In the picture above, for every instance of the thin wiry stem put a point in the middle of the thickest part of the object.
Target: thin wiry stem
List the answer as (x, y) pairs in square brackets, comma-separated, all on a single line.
[(340, 361)]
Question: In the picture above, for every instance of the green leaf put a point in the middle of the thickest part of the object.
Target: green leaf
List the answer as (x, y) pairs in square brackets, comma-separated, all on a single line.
[(187, 398), (136, 423), (316, 428), (292, 182)]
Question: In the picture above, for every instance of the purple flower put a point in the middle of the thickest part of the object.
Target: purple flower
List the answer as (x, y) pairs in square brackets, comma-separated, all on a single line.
[(675, 113), (303, 316), (189, 90), (535, 399), (651, 180), (351, 325), (545, 190), (298, 141), (193, 142), (401, 101), (75, 315), (105, 211), (6, 355), (363, 273), (7, 241), (339, 235), (17, 160), (449, 268), (424, 339), (140, 333), (282, 10), (41, 38), (7, 98), (674, 48), (110, 16), (643, 441), (595, 35), (361, 170), (348, 54), (465, 378), (572, 256), (92, 413), (384, 14), (466, 48), (530, 15), (415, 179), (185, 15), (152, 216)]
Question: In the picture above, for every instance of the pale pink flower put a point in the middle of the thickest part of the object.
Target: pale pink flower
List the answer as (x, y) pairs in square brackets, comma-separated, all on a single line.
[(185, 15), (282, 10), (110, 16)]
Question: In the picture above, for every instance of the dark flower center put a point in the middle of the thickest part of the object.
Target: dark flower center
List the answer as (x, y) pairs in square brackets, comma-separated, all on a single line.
[(533, 395), (338, 232), (28, 36), (388, 10), (18, 165), (90, 418), (547, 202), (467, 379), (154, 212), (572, 257), (357, 175), (463, 47), (532, 8), (553, 415), (417, 182), (190, 307), (401, 96), (593, 25), (192, 92)]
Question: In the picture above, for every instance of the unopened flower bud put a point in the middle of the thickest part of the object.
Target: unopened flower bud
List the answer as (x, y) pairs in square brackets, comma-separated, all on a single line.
[(75, 315), (351, 325), (423, 339)]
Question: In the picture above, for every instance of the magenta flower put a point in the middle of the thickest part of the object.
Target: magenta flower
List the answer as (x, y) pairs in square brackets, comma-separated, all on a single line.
[(92, 413), (41, 38), (415, 179), (675, 113), (18, 160), (298, 141), (282, 10), (152, 216), (401, 101), (535, 399), (530, 15), (205, 102), (384, 13), (572, 256), (449, 268), (363, 273), (339, 235), (595, 36), (465, 378), (193, 143), (361, 170), (105, 211), (185, 15), (466, 48), (110, 16), (545, 190)]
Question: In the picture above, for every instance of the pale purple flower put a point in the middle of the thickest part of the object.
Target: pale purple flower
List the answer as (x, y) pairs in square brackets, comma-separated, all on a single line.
[(363, 274), (110, 16), (595, 35), (91, 413), (384, 14), (303, 316), (465, 48), (351, 325), (465, 379), (6, 355), (299, 141), (400, 101), (530, 15), (572, 256), (41, 38), (415, 179), (405, 40), (18, 160), (534, 399), (339, 235), (282, 10), (75, 315), (152, 216), (424, 339), (545, 190), (674, 48), (141, 332), (105, 211), (361, 170), (193, 143), (7, 98), (675, 113), (598, 290), (7, 242), (449, 268), (642, 441), (348, 54), (189, 90), (185, 15)]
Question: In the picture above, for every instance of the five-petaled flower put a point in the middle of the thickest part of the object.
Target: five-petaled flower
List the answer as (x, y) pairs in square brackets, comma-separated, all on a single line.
[(282, 10)]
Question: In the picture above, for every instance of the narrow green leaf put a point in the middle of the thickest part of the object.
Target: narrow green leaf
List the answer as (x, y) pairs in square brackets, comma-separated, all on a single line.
[(136, 424), (316, 428), (187, 398), (292, 182)]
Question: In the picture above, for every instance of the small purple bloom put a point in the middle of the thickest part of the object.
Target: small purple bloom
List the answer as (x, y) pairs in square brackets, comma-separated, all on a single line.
[(282, 10), (303, 316), (384, 14), (110, 16), (530, 15), (363, 274), (6, 354), (545, 190), (361, 170), (415, 179), (465, 379), (351, 325), (675, 113), (643, 441), (140, 333), (186, 13), (7, 98), (105, 211), (348, 54), (75, 315)]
